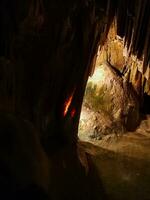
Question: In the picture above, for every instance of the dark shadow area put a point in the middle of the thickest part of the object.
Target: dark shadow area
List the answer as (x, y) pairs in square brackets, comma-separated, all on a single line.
[(146, 104), (69, 178), (20, 171), (96, 185), (31, 192), (122, 176)]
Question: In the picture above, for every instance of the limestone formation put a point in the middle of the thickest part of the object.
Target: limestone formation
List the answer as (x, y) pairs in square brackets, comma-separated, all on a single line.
[(111, 107)]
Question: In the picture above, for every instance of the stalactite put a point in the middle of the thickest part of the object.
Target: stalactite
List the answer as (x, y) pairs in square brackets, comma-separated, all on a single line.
[(133, 22)]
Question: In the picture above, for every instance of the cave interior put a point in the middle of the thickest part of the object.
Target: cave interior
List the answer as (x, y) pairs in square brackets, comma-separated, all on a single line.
[(48, 51)]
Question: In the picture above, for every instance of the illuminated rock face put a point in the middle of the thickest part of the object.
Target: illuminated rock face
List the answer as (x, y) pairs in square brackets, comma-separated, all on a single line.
[(110, 105)]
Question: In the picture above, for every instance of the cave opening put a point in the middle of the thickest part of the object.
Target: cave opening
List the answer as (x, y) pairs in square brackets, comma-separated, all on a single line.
[(111, 104)]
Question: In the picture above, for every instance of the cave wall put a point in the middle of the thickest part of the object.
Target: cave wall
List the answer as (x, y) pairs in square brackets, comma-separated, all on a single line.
[(46, 58), (116, 53), (127, 45), (48, 49)]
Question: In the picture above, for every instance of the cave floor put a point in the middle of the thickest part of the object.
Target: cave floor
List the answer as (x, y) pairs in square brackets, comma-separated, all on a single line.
[(122, 163)]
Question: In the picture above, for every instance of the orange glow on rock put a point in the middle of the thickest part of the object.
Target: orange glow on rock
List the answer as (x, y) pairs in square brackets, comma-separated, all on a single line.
[(73, 112), (67, 105)]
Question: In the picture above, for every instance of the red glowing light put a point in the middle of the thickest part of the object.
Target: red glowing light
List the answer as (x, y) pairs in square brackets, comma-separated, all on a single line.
[(73, 112), (67, 105)]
